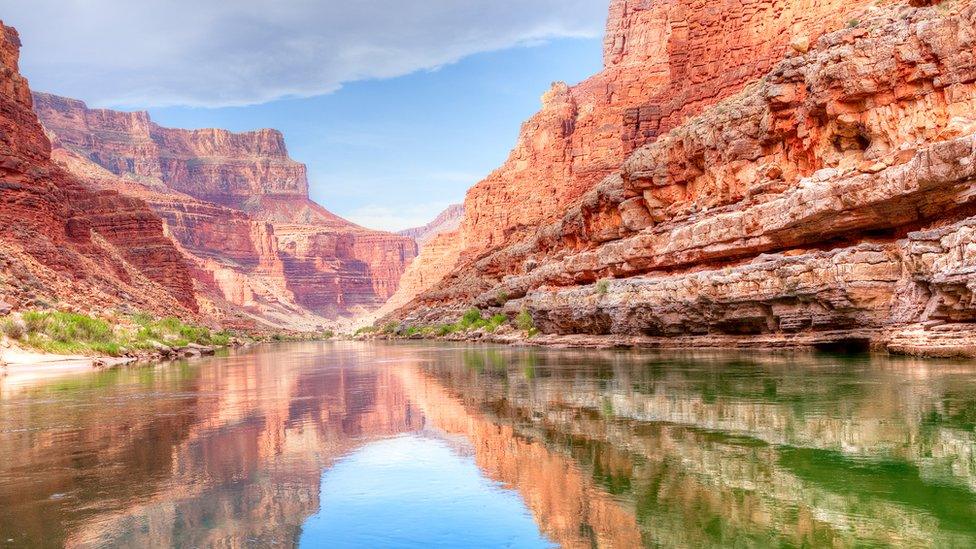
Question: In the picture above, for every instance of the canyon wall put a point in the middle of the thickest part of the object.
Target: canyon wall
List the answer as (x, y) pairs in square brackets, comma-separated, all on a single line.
[(238, 207), (829, 200), (664, 60), (63, 243)]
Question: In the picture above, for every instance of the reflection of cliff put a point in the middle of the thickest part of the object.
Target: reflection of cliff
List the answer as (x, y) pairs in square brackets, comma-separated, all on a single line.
[(733, 451), (568, 506), (240, 461), (611, 449)]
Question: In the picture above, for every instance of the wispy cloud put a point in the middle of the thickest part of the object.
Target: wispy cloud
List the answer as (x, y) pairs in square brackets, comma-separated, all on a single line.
[(152, 53)]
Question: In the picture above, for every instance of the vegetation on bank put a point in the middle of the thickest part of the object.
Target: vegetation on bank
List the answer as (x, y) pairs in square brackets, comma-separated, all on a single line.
[(472, 320), (63, 332)]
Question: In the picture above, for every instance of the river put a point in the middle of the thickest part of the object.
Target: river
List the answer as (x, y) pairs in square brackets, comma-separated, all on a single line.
[(353, 444)]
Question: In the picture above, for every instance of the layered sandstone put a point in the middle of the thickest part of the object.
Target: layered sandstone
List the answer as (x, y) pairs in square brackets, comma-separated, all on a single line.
[(65, 243), (664, 61), (831, 199), (238, 207)]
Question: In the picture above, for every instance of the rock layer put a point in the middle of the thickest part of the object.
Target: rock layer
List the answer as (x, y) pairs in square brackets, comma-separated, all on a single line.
[(664, 60), (62, 242), (238, 207), (829, 200)]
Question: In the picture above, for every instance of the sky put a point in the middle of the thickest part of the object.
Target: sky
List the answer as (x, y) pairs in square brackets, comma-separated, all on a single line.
[(396, 106)]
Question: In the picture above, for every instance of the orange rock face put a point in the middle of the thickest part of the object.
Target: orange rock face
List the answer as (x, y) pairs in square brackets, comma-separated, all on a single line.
[(62, 242), (238, 207), (663, 62), (829, 200)]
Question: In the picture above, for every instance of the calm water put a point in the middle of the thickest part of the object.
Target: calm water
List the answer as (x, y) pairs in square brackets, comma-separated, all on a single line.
[(419, 445)]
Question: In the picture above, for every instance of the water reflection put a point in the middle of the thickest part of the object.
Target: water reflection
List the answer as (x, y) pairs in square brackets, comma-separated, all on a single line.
[(276, 445)]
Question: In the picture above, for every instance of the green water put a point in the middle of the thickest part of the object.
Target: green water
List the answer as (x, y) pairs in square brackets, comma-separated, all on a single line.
[(426, 445)]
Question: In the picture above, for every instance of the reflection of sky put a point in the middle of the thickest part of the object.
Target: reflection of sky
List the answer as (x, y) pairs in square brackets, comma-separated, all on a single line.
[(414, 491)]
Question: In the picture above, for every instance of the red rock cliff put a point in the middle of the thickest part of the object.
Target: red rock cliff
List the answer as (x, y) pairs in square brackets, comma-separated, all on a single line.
[(830, 200), (665, 60), (61, 241), (239, 207)]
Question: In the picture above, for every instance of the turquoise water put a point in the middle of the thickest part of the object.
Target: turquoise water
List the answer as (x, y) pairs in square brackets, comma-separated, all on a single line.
[(351, 444)]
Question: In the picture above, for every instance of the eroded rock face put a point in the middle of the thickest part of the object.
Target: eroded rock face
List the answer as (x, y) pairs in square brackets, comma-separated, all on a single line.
[(62, 242), (664, 60), (238, 207), (832, 196)]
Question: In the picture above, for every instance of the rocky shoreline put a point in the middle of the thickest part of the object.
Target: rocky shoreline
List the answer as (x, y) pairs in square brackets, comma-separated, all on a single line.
[(923, 341)]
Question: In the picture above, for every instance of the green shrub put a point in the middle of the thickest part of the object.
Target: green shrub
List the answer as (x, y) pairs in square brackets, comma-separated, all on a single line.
[(524, 321), (328, 334), (390, 327), (365, 330), (502, 297), (446, 329), (221, 338), (495, 322), (471, 316), (173, 332), (34, 321), (13, 328), (70, 333), (602, 287), (853, 23)]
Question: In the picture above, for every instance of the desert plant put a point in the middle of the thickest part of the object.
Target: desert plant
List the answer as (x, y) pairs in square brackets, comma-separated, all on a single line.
[(524, 321), (471, 316), (13, 328), (602, 287), (495, 322), (34, 321)]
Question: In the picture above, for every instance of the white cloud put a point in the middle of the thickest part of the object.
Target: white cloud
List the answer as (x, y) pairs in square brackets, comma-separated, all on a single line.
[(386, 218), (218, 52)]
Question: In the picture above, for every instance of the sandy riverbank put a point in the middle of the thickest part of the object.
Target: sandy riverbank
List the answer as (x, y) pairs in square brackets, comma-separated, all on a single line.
[(20, 367)]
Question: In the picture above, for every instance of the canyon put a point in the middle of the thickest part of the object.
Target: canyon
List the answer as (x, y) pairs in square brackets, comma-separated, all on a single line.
[(260, 251), (63, 243), (762, 173)]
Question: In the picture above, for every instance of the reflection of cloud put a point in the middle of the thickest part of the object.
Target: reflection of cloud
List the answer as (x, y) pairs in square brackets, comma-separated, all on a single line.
[(187, 52), (388, 218)]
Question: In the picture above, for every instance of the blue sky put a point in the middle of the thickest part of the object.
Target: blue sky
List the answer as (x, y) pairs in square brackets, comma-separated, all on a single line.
[(397, 106), (392, 153)]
